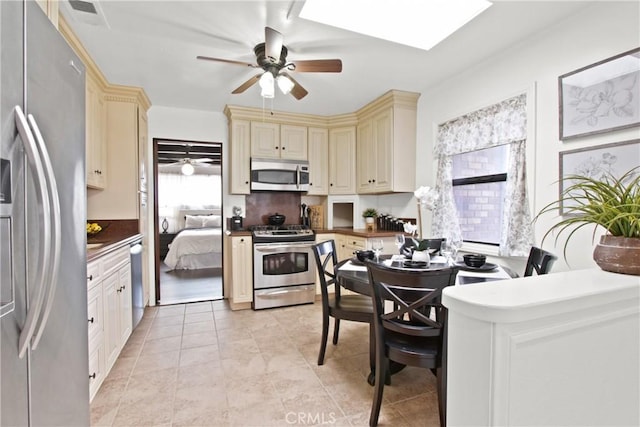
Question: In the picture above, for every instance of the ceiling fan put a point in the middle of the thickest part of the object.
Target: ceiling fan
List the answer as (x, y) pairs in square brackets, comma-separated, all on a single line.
[(271, 56), (187, 164)]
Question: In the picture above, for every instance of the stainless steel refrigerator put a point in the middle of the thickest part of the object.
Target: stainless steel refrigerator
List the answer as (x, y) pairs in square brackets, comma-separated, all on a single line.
[(44, 372)]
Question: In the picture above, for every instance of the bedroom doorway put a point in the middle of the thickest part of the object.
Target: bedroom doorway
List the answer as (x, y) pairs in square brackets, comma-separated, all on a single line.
[(188, 220)]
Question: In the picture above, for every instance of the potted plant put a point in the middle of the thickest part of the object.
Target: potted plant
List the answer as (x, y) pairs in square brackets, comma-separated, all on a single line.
[(370, 215), (606, 201)]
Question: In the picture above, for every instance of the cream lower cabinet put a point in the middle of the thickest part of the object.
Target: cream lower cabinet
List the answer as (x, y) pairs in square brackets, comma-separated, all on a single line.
[(346, 245), (109, 312), (238, 272), (342, 160)]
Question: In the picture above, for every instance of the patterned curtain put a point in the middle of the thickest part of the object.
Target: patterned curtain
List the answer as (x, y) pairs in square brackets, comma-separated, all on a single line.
[(498, 124)]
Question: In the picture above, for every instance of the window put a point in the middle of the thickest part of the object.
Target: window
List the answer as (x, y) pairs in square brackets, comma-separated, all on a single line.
[(481, 179), (479, 184)]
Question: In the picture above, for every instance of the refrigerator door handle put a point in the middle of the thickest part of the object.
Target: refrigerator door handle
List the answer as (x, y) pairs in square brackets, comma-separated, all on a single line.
[(35, 164), (56, 230)]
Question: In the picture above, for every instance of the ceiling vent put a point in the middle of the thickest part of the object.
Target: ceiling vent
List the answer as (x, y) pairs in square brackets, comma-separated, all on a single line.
[(87, 12), (83, 6)]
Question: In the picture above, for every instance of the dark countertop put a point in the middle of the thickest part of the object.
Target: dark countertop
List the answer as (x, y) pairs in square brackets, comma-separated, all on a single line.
[(348, 231), (359, 232), (110, 245)]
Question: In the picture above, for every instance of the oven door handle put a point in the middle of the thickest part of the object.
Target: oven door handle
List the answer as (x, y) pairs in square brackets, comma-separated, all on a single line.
[(279, 248)]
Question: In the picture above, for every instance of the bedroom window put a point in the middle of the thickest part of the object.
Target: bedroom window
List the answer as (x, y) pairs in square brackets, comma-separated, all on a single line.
[(189, 191), (177, 192)]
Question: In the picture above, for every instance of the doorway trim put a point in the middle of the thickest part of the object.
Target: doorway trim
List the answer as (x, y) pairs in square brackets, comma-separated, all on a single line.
[(156, 213)]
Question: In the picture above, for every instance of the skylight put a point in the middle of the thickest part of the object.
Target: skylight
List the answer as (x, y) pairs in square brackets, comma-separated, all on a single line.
[(417, 23)]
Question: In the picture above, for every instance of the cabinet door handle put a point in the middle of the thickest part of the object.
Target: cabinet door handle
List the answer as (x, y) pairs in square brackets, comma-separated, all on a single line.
[(90, 277), (92, 376), (91, 320), (282, 148)]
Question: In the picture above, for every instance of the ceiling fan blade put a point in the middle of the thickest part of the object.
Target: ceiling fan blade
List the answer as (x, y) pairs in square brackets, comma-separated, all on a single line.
[(297, 91), (201, 160), (228, 61), (318, 66), (246, 85), (273, 44)]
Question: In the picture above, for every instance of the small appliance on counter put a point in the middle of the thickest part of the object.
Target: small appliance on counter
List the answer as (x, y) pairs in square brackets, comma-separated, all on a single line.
[(235, 222)]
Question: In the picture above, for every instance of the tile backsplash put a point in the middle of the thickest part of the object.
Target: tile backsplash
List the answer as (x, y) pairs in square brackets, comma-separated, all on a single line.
[(259, 205)]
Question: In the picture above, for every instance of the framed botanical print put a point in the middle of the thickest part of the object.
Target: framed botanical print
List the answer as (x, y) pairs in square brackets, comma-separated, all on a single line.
[(600, 97), (598, 162)]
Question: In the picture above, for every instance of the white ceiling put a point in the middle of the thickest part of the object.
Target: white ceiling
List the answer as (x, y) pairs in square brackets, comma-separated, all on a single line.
[(154, 44)]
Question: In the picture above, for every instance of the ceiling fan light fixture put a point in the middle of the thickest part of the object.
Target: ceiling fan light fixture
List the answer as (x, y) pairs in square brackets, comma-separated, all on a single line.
[(267, 85), (285, 84), (187, 169)]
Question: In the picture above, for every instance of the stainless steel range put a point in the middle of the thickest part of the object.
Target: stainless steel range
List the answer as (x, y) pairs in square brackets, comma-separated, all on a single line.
[(284, 271)]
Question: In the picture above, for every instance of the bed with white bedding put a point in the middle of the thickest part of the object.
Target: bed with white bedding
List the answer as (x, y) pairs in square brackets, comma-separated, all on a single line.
[(198, 245)]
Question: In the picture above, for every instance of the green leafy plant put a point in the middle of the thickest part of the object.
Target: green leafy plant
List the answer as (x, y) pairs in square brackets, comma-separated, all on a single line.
[(610, 202), (369, 212), (420, 244)]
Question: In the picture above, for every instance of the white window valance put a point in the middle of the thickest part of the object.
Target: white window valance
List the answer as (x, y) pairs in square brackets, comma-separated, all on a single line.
[(498, 124)]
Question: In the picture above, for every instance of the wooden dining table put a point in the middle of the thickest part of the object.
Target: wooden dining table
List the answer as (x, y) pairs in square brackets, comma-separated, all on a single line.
[(352, 275)]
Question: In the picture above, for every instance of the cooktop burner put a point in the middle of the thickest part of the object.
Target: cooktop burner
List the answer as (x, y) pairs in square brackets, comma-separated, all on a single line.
[(281, 233)]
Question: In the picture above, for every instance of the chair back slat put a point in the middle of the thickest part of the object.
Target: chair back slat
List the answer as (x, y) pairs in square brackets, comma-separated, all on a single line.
[(539, 261), (326, 260), (415, 298)]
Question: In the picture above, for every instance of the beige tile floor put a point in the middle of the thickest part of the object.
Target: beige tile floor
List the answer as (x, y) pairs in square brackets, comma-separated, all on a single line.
[(202, 364)]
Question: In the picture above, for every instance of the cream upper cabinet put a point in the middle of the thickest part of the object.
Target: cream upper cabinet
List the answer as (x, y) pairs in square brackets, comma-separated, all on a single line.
[(318, 161), (293, 142), (126, 130), (240, 156), (342, 160), (95, 128), (265, 140), (275, 141), (366, 154), (387, 144)]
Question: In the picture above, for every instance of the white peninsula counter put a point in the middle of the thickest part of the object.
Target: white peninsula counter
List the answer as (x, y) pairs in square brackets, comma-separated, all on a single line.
[(560, 349)]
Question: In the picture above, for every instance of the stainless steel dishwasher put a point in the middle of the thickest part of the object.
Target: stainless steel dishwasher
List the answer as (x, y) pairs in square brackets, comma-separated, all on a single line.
[(137, 298)]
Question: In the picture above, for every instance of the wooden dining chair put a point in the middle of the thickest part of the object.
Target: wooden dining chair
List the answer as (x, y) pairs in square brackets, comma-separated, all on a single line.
[(354, 307), (539, 261), (404, 333)]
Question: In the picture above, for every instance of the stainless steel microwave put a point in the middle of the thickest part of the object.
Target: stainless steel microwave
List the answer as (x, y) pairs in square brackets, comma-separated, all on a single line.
[(279, 175)]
